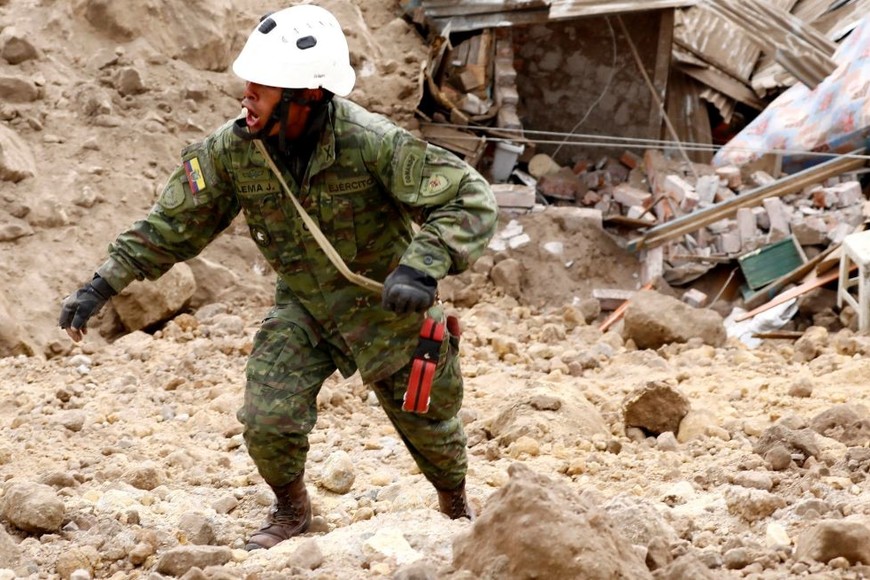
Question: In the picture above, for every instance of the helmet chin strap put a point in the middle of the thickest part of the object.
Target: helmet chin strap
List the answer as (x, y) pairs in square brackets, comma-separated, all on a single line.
[(281, 113)]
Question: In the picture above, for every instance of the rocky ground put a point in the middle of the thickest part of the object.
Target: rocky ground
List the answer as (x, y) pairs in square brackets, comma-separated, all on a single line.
[(662, 448)]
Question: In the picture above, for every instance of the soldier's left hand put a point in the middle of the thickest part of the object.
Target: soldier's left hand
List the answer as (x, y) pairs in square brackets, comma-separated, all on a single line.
[(408, 290)]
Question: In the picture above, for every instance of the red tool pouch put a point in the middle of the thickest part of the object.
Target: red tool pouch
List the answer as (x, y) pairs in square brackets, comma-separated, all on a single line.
[(424, 363)]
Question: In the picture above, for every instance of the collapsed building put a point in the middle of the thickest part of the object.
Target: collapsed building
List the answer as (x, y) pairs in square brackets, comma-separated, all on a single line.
[(675, 120)]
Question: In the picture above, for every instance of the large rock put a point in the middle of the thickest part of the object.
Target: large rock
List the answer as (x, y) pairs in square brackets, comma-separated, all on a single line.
[(535, 527), (831, 539), (653, 320), (142, 304), (543, 410), (12, 337), (656, 407), (16, 158), (33, 507), (194, 32)]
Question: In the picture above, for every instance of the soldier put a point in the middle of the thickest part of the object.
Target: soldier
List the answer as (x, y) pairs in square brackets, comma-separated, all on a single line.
[(364, 182)]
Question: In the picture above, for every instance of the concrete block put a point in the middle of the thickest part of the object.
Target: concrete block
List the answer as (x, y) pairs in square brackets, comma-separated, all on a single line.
[(706, 187), (825, 197), (848, 193), (505, 73), (694, 297), (810, 231), (653, 264), (640, 213), (507, 95), (630, 196), (689, 202), (507, 118), (776, 212), (514, 195), (747, 226), (677, 187), (730, 242), (731, 175), (611, 298), (574, 219)]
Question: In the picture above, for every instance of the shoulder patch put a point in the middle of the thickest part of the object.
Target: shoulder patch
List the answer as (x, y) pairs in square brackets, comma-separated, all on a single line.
[(409, 163), (435, 184), (173, 195)]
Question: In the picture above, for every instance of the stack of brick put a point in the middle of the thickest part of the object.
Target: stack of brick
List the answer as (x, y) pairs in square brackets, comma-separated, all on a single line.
[(650, 190)]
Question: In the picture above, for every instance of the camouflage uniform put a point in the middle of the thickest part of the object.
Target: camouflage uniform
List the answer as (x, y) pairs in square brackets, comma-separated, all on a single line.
[(367, 179)]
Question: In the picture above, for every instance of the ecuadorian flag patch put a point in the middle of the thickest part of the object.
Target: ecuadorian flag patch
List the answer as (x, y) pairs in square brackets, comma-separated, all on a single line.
[(194, 175)]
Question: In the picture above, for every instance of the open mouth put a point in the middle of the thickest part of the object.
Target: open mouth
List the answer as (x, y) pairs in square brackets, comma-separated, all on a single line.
[(251, 118)]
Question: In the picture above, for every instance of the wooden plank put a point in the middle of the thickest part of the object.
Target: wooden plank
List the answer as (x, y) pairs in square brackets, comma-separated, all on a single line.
[(689, 114), (620, 311), (460, 142), (442, 9), (779, 334), (728, 85), (498, 20), (661, 71), (811, 284), (563, 9)]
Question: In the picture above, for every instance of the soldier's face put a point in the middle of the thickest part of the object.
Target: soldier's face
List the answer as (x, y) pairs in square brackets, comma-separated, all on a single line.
[(261, 100)]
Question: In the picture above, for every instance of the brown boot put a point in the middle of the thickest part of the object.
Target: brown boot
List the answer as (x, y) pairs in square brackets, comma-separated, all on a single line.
[(290, 516), (454, 503)]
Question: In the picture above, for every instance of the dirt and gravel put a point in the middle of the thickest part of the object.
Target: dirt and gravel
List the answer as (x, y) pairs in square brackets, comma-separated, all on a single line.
[(120, 457)]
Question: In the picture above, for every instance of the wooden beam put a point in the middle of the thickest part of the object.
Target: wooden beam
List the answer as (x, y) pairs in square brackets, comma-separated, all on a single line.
[(692, 222), (660, 73)]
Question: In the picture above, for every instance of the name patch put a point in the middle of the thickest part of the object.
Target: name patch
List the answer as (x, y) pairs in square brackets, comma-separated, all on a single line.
[(351, 186), (257, 187)]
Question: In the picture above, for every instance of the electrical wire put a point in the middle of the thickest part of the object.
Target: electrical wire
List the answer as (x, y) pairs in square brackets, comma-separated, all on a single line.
[(603, 92), (613, 141)]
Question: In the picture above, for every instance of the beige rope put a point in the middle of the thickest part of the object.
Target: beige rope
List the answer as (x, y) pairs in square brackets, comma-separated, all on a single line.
[(321, 240)]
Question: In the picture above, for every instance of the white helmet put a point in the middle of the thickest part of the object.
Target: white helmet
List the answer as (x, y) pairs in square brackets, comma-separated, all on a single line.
[(301, 47)]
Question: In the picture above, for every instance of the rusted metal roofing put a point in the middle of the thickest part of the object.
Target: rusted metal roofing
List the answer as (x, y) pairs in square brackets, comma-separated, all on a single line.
[(464, 15), (580, 8), (719, 42)]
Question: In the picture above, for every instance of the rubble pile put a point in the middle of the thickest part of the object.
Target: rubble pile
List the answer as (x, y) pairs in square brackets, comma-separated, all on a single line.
[(635, 194)]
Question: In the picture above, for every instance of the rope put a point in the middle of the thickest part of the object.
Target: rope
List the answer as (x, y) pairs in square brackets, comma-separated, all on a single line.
[(321, 240)]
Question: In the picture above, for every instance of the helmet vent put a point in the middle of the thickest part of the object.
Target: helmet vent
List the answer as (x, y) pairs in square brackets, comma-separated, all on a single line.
[(306, 42), (267, 26)]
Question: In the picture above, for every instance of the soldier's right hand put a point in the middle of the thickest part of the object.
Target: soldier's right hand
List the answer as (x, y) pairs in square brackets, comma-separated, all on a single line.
[(79, 307)]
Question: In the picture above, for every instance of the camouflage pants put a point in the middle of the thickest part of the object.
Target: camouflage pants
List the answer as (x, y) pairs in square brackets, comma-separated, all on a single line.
[(284, 375)]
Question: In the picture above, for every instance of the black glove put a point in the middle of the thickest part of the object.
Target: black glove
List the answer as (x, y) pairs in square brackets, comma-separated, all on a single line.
[(77, 308), (408, 290)]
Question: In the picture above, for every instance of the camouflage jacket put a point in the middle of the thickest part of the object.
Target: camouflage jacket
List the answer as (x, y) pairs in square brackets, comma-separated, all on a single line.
[(366, 181)]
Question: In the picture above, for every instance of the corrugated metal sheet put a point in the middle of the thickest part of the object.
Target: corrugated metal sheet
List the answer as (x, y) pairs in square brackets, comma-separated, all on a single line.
[(769, 75), (836, 23), (719, 42), (449, 8), (464, 15), (561, 9)]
